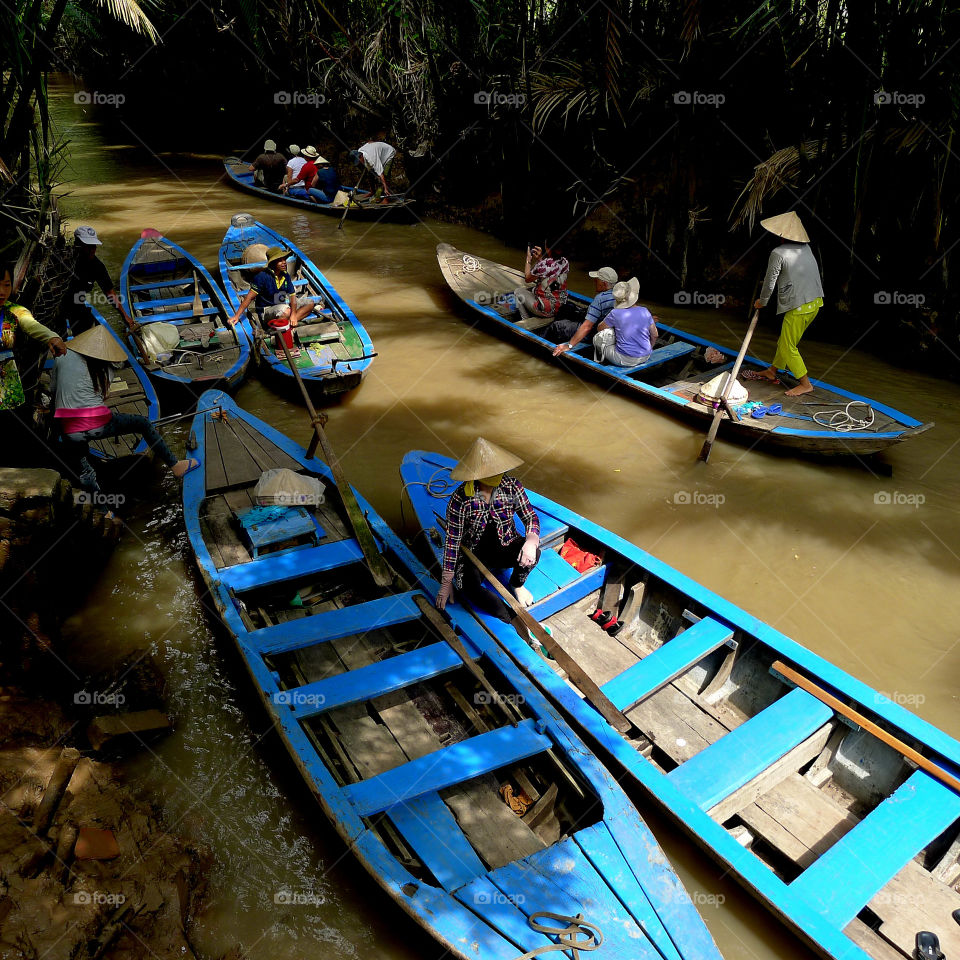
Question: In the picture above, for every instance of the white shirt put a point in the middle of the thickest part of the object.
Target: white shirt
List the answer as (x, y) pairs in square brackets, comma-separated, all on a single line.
[(377, 155), (296, 164)]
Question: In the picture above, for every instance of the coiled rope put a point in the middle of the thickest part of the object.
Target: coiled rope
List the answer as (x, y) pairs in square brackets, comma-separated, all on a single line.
[(438, 487), (568, 934), (843, 421)]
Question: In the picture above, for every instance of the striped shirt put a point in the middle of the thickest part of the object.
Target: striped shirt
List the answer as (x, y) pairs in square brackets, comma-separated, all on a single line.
[(467, 518)]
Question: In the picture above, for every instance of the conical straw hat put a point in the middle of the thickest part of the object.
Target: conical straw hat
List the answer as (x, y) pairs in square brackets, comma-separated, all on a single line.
[(484, 459), (786, 225), (98, 343)]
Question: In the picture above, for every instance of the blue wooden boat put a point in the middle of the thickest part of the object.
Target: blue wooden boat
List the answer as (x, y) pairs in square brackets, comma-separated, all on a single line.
[(829, 825), (671, 377), (336, 350), (163, 283), (405, 749), (399, 206)]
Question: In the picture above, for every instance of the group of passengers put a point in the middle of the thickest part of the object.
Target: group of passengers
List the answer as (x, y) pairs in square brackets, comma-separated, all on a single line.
[(624, 333)]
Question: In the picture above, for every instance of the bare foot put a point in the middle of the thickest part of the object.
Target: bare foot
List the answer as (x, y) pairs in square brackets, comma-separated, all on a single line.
[(182, 467), (798, 390), (524, 596)]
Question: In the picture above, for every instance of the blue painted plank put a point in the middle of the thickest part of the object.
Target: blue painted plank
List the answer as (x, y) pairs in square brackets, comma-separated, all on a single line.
[(334, 624), (295, 564), (532, 890), (577, 590), (553, 566), (372, 680), (599, 848), (429, 827), (845, 878), (447, 766), (170, 301), (666, 663), (156, 284), (500, 910), (176, 315), (661, 355), (736, 758)]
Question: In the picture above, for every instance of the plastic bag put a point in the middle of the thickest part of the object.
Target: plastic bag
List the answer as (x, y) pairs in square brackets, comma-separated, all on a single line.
[(159, 338), (285, 488)]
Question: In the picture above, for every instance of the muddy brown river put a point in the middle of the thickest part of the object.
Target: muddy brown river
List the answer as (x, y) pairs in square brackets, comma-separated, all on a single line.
[(860, 567)]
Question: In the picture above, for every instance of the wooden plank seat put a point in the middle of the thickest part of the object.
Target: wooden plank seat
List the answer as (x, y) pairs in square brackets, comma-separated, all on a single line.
[(736, 758), (551, 573), (371, 681), (845, 878), (421, 822), (582, 587), (291, 565), (169, 301), (295, 522), (334, 624), (666, 663), (447, 766), (159, 284), (176, 315), (661, 355)]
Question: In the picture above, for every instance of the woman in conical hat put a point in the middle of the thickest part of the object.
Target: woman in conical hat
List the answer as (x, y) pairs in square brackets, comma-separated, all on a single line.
[(793, 270), (80, 382), (480, 516)]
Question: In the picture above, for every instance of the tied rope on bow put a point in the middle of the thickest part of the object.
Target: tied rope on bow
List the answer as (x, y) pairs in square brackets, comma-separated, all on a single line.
[(470, 264), (568, 934)]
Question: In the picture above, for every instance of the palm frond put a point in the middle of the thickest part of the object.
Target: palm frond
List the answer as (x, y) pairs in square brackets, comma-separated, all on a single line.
[(133, 15)]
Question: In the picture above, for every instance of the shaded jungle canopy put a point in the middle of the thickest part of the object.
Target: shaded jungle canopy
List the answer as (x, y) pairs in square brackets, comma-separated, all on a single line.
[(649, 134)]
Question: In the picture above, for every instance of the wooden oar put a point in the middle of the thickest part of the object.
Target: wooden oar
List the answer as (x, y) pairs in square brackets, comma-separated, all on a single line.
[(891, 741), (358, 522), (346, 208), (574, 671), (724, 403)]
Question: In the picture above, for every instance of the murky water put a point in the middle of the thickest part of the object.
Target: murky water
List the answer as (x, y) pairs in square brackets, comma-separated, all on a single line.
[(861, 568)]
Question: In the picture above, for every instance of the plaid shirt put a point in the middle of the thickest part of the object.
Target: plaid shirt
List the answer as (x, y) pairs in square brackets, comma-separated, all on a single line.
[(467, 518)]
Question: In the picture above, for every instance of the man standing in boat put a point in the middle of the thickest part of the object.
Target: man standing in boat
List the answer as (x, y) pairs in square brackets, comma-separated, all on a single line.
[(793, 270), (378, 157), (480, 516)]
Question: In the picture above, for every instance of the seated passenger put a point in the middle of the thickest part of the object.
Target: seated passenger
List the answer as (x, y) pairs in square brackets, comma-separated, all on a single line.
[(294, 166), (627, 336), (568, 333), (269, 168), (300, 186), (548, 274), (326, 182), (480, 516)]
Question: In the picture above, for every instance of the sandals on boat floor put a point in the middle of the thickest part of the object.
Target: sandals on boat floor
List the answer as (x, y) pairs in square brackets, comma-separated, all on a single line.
[(928, 946), (607, 621), (756, 375), (295, 352)]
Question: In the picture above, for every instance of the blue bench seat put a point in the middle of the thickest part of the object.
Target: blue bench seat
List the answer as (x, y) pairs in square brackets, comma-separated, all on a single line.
[(843, 880), (666, 663), (334, 624), (156, 284), (370, 681), (737, 757), (170, 301), (661, 355), (447, 766), (582, 587), (176, 315), (290, 565)]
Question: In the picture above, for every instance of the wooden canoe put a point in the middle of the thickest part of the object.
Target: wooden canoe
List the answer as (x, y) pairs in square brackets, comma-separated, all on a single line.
[(399, 207), (163, 283), (823, 820), (336, 351), (672, 375), (403, 746)]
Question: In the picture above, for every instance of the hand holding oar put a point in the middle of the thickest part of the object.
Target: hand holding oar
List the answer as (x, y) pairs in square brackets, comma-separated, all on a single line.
[(358, 522), (724, 402), (574, 671)]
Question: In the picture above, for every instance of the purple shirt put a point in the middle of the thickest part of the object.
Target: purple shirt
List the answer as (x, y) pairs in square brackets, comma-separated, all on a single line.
[(632, 329)]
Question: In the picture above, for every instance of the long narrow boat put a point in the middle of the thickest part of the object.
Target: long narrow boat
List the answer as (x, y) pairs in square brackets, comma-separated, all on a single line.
[(336, 351), (398, 206), (163, 283), (410, 754), (824, 820), (671, 377)]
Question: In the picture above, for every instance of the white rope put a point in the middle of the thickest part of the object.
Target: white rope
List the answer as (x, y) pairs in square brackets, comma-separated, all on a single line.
[(843, 421), (471, 264)]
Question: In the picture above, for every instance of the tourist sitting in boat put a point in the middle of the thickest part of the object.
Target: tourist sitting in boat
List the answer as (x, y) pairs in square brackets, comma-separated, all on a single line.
[(480, 516), (378, 157), (548, 274), (79, 383), (273, 287), (308, 184), (627, 335), (294, 166), (88, 269), (793, 270), (567, 333), (269, 168), (326, 182)]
